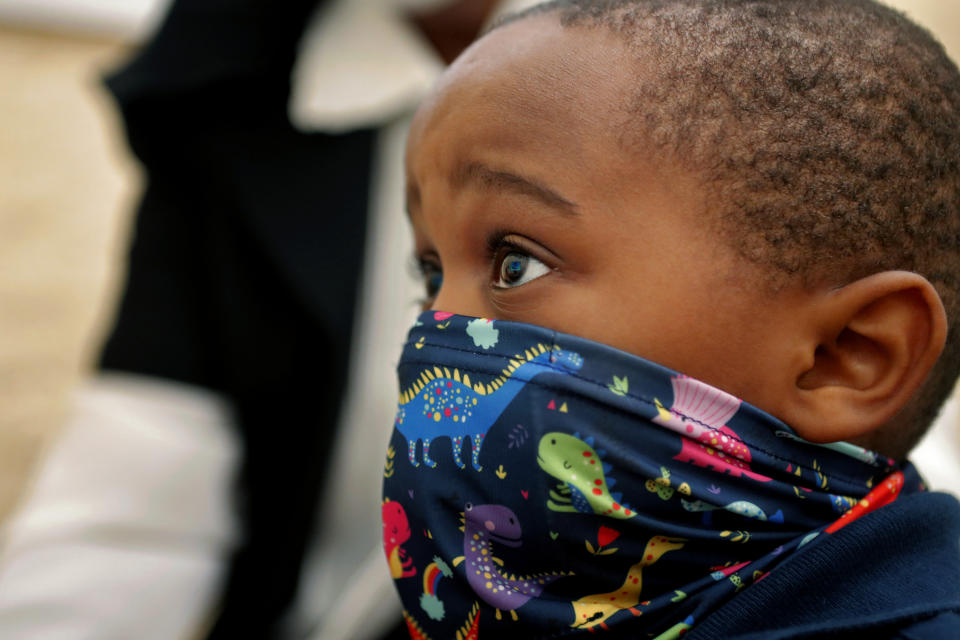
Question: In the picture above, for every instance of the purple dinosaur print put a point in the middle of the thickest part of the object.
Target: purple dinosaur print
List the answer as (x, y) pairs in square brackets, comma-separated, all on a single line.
[(699, 413), (484, 524), (442, 402)]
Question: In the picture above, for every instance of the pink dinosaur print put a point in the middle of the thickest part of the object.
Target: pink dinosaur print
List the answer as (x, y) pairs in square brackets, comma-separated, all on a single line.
[(699, 413), (396, 531)]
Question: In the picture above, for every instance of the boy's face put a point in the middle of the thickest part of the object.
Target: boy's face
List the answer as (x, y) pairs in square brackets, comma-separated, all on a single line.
[(522, 193)]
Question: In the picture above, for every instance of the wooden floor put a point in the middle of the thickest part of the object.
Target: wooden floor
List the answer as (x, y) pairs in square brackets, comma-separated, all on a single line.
[(66, 190)]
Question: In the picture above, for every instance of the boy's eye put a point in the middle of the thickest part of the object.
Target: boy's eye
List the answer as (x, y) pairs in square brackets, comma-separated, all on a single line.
[(432, 276), (517, 268)]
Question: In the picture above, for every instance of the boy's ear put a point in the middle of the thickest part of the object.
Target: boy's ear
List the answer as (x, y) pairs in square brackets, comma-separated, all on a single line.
[(872, 346)]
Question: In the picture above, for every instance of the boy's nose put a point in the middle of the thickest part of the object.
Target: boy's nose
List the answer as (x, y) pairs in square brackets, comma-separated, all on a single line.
[(464, 299)]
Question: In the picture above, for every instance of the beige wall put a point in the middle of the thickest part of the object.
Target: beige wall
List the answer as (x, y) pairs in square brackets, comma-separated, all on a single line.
[(942, 17), (66, 188)]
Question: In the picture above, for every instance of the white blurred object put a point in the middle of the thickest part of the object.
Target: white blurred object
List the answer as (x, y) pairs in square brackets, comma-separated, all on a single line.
[(131, 20), (361, 64), (127, 530), (938, 455)]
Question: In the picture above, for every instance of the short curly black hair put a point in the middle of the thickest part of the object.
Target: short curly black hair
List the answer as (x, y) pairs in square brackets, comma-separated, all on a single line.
[(829, 129)]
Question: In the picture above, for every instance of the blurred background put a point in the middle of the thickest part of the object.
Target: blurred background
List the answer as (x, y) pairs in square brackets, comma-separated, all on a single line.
[(68, 191), (69, 188)]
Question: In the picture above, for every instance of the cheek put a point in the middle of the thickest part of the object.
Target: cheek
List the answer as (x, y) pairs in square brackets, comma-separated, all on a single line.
[(676, 322), (621, 317), (579, 306)]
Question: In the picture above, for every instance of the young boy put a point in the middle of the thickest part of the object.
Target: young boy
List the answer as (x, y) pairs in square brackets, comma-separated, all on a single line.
[(763, 195)]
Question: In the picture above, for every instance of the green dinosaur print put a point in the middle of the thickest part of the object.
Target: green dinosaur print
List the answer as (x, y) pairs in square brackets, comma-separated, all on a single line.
[(583, 487)]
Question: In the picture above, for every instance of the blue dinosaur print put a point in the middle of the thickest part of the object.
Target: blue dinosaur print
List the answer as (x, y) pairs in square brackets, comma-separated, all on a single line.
[(740, 507), (842, 504), (441, 402)]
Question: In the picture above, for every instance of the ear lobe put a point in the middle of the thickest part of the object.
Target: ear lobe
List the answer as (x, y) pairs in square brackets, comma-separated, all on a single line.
[(876, 341)]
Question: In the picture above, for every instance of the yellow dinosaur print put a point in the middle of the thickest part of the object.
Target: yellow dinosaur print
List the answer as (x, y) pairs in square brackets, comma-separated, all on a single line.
[(594, 610)]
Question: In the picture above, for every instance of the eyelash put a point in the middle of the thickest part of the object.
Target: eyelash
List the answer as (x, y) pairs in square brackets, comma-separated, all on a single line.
[(499, 244)]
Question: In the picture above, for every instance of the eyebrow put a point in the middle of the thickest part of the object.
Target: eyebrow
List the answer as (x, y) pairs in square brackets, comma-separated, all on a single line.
[(490, 178)]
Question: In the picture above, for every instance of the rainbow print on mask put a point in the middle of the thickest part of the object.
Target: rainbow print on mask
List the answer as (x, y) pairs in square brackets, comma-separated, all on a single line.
[(429, 601)]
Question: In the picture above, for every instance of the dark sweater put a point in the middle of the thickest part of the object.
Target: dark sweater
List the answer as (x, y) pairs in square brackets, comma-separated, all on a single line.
[(894, 573)]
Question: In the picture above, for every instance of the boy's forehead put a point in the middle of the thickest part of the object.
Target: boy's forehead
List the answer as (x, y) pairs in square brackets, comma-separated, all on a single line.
[(531, 78)]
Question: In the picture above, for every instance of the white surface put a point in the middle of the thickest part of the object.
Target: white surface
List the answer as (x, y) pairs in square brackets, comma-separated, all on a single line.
[(127, 529), (361, 64), (131, 20), (937, 457)]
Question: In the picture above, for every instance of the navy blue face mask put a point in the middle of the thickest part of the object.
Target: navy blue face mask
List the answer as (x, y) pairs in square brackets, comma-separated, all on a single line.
[(541, 485)]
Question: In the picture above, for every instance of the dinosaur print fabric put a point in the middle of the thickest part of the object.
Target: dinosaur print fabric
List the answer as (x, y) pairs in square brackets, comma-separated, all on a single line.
[(541, 485)]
